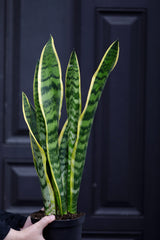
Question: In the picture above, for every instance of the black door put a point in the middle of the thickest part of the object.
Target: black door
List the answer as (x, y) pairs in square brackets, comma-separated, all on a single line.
[(120, 189)]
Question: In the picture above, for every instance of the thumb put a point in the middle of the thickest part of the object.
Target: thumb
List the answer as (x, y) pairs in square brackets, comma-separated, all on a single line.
[(45, 221)]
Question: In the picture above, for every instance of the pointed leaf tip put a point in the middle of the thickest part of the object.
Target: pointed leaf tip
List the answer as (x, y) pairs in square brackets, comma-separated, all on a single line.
[(116, 43), (51, 39), (23, 95), (73, 54), (115, 46)]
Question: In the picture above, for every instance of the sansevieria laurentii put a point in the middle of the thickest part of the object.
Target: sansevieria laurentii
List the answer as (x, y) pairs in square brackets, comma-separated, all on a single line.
[(59, 159)]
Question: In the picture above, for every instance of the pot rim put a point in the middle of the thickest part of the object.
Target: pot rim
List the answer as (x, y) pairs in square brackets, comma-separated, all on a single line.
[(64, 223)]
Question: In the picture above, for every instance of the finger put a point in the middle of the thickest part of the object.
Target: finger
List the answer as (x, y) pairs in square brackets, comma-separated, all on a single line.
[(27, 223), (45, 221)]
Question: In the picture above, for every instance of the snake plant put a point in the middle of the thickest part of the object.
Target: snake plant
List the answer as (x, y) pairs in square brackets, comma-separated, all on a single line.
[(59, 159)]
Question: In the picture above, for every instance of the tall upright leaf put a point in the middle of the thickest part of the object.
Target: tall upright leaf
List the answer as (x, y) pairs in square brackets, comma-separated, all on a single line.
[(50, 92), (86, 119), (73, 104), (39, 157), (63, 155), (39, 117)]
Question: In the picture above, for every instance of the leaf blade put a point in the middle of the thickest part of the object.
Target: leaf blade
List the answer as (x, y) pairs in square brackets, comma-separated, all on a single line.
[(39, 157), (50, 99), (63, 156), (39, 117), (98, 82), (73, 105)]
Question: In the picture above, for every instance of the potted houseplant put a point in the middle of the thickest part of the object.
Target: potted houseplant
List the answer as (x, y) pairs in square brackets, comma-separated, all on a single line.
[(59, 159)]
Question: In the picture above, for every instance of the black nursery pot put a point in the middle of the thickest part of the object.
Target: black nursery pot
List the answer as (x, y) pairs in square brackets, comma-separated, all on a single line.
[(64, 229)]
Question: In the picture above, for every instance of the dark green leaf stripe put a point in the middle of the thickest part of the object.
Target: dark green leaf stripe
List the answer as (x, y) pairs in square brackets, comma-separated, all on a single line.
[(73, 103), (39, 157), (50, 99), (86, 119)]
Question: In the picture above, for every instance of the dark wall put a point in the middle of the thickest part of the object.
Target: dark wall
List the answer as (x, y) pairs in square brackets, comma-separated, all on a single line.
[(120, 190)]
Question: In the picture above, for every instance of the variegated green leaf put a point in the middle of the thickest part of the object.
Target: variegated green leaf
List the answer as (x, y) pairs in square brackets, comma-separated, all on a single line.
[(39, 157), (50, 91), (46, 188), (86, 119), (39, 117), (73, 103), (63, 155)]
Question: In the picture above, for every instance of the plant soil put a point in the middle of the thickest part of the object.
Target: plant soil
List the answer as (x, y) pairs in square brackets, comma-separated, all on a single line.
[(40, 214)]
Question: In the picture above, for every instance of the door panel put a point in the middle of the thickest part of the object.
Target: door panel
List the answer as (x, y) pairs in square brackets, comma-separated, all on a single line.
[(120, 152), (26, 28)]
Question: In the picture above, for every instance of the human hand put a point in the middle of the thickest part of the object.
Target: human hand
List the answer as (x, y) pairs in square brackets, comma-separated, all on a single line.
[(28, 223), (33, 232)]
